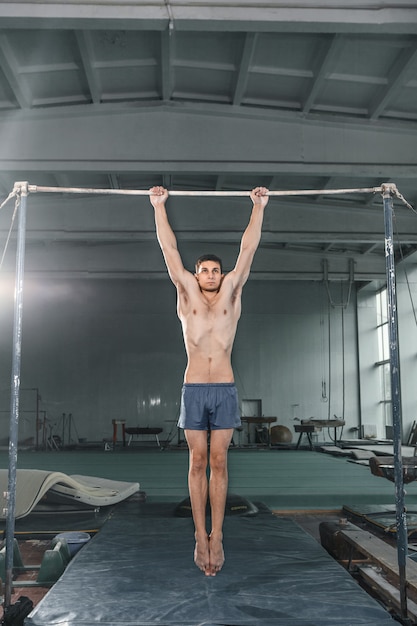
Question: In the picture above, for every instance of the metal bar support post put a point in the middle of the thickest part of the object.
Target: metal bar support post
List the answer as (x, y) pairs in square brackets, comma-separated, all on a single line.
[(15, 392), (401, 520)]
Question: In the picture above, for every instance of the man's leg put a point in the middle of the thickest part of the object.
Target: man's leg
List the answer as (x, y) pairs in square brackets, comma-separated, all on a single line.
[(219, 445), (198, 488)]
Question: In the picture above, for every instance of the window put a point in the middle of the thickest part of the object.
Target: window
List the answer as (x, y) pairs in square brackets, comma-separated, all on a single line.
[(383, 362)]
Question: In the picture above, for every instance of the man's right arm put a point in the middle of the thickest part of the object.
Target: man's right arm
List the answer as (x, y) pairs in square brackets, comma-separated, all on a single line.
[(166, 237)]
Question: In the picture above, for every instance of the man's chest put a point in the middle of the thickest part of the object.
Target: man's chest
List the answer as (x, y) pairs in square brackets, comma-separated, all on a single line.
[(216, 315)]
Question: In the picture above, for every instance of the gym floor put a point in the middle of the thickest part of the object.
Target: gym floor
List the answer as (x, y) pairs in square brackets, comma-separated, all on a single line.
[(280, 478)]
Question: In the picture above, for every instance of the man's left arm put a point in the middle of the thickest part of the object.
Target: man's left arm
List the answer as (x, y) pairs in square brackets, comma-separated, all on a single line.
[(251, 237)]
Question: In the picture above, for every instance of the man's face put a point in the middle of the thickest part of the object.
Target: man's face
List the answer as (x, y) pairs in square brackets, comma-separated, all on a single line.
[(209, 276)]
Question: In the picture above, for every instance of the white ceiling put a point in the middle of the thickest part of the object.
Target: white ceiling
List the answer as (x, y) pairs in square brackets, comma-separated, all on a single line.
[(205, 95)]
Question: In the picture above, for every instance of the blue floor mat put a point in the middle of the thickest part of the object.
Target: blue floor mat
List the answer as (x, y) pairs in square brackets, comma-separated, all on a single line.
[(139, 571)]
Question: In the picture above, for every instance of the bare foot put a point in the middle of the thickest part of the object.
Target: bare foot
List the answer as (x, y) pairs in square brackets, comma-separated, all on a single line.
[(216, 553), (201, 553)]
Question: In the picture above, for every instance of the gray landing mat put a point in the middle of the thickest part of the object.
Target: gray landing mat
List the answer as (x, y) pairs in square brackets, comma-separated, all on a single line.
[(33, 485), (138, 570)]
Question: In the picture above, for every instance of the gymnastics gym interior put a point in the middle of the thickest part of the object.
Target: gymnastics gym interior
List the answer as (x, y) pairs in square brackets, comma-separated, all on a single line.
[(101, 101)]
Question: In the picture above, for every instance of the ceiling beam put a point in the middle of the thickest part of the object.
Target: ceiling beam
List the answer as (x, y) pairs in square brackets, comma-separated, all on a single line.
[(324, 59), (244, 67), (402, 68), (10, 70), (85, 46), (167, 45), (231, 144), (162, 275), (229, 15), (123, 236)]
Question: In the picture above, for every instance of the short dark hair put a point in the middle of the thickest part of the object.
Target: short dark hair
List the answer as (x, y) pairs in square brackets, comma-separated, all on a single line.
[(208, 257)]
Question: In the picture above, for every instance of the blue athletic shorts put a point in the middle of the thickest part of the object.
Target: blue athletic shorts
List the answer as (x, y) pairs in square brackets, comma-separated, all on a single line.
[(208, 406)]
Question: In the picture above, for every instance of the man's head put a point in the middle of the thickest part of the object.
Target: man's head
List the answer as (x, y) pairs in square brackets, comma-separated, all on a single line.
[(208, 257), (208, 272)]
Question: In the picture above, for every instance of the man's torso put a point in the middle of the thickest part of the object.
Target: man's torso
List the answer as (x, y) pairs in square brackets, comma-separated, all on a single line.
[(209, 327)]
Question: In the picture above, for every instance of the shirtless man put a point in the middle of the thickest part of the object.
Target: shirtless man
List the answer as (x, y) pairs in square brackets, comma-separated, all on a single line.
[(209, 307)]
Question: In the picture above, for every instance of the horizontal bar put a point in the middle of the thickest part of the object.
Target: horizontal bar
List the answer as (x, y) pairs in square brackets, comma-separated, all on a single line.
[(146, 192)]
